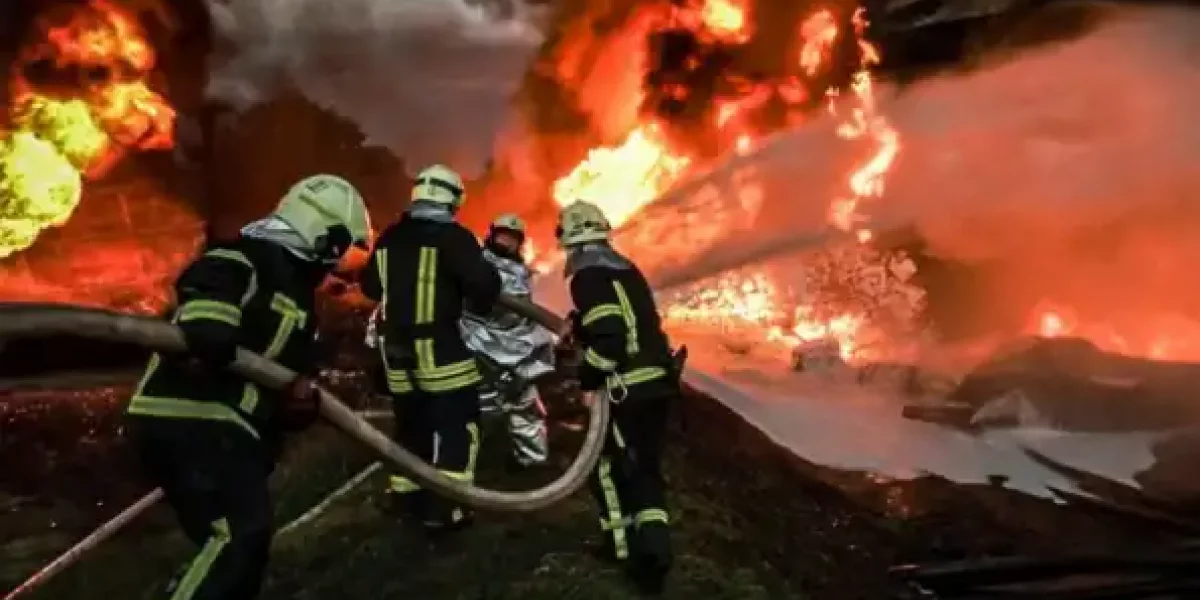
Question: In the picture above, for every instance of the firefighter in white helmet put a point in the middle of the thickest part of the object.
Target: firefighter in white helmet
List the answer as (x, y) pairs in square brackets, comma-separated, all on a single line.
[(626, 356), (514, 350), (208, 436), (424, 268)]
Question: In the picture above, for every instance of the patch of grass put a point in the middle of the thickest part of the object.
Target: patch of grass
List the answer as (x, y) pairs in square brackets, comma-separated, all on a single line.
[(356, 549)]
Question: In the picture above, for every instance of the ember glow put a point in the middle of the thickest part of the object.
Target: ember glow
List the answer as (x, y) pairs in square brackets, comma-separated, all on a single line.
[(63, 135)]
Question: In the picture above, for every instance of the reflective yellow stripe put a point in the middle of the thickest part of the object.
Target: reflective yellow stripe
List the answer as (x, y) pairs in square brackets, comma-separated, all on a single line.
[(155, 360), (473, 456), (596, 360), (210, 310), (249, 401), (444, 378), (426, 288), (226, 254), (651, 515), (631, 336), (382, 268), (402, 485), (452, 384), (182, 408), (599, 312), (290, 317), (198, 570), (467, 475), (622, 523), (617, 437), (612, 502), (642, 375), (423, 348), (398, 382)]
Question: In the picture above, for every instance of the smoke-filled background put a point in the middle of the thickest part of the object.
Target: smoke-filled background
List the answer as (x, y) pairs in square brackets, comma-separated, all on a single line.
[(431, 80)]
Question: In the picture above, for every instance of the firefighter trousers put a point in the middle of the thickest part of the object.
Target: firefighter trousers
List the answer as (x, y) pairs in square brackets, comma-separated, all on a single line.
[(215, 477), (628, 482), (443, 430)]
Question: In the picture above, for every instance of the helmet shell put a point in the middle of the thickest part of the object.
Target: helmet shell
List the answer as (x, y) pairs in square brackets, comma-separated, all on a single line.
[(319, 202), (439, 184), (581, 222)]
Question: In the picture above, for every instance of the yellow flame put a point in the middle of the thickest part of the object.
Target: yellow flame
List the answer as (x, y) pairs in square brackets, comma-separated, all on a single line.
[(38, 187), (623, 179)]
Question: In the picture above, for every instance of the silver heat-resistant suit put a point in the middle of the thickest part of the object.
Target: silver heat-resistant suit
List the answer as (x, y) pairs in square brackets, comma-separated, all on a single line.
[(515, 352)]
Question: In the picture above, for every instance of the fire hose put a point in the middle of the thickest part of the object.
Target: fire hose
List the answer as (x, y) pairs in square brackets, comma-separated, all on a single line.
[(28, 320)]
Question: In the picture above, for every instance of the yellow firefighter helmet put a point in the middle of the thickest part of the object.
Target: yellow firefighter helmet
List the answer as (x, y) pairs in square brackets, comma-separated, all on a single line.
[(439, 184), (581, 222), (510, 222), (326, 210)]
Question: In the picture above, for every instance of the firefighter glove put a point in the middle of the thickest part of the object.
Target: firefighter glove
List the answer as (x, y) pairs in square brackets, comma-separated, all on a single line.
[(302, 403)]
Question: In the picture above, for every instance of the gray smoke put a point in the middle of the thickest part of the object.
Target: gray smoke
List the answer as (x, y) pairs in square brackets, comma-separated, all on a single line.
[(429, 79)]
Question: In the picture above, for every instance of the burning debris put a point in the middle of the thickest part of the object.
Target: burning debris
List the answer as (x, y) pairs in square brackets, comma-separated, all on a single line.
[(81, 100)]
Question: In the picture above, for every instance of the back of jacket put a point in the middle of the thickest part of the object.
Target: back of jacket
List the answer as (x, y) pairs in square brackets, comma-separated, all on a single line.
[(424, 272), (249, 293), (620, 331)]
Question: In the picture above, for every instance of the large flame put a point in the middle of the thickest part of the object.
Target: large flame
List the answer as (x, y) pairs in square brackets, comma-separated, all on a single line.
[(59, 138), (627, 176)]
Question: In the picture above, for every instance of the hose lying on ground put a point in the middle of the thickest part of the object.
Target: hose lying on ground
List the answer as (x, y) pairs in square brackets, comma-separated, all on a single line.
[(19, 320)]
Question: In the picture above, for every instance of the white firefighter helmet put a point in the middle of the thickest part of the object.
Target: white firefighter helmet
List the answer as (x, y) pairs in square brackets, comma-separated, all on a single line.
[(581, 222), (439, 184), (509, 222), (326, 211)]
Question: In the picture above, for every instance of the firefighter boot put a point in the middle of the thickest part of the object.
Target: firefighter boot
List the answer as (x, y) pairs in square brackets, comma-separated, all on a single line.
[(651, 557), (443, 516)]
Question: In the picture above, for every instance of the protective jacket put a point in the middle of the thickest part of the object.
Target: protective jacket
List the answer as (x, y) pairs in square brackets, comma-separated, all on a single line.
[(250, 293), (422, 271), (618, 327)]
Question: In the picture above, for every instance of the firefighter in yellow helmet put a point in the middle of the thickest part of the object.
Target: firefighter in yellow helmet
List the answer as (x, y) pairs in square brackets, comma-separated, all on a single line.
[(209, 437), (626, 356), (423, 270)]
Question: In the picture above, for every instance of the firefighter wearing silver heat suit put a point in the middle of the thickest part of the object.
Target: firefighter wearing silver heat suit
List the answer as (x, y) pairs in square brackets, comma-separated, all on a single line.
[(512, 350)]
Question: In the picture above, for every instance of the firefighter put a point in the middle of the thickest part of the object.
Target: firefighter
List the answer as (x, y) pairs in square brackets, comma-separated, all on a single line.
[(626, 356), (209, 437), (515, 350), (423, 269)]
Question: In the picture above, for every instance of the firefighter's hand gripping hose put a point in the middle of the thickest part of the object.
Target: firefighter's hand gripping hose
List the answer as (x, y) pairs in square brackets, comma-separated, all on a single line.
[(19, 320)]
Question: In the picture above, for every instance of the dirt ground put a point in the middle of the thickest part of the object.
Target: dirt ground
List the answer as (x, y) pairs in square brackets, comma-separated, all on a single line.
[(753, 521)]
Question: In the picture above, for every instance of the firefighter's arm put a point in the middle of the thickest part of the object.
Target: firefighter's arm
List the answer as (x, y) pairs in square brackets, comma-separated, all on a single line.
[(478, 278), (601, 327), (211, 294)]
